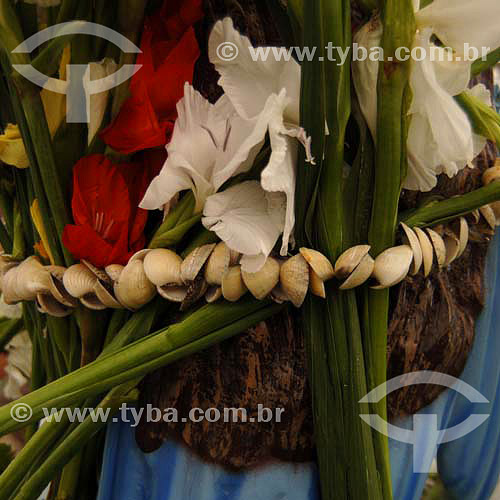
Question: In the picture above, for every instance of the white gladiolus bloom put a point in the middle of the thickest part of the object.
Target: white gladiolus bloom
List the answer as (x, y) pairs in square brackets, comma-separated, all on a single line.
[(267, 91), (210, 144), (248, 219), (440, 138)]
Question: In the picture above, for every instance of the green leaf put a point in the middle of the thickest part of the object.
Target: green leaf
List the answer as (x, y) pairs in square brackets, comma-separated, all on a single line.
[(485, 121), (480, 65)]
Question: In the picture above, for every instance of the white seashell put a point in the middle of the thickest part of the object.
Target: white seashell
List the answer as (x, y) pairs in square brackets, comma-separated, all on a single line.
[(463, 235), (234, 257), (349, 260), (278, 295), (489, 215), (140, 255), (321, 265), (7, 263), (214, 293), (8, 283), (104, 294), (47, 304), (193, 263), (492, 174), (361, 274), (452, 245), (412, 240), (233, 286), (98, 273), (31, 279), (392, 266), (439, 247), (316, 284), (476, 216), (195, 290), (163, 267), (79, 280), (495, 206), (294, 279), (218, 263), (133, 289), (57, 288), (114, 271), (427, 250), (261, 283), (173, 293), (91, 301)]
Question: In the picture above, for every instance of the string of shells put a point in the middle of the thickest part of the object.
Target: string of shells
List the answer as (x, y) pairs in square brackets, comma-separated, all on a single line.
[(213, 272)]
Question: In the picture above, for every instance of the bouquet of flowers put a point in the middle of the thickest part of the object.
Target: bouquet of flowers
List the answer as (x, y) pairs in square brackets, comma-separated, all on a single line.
[(143, 223)]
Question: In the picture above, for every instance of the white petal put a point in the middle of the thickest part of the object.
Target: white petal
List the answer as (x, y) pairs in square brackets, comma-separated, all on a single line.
[(210, 144), (242, 143), (440, 134), (273, 110), (457, 22), (482, 93), (240, 217), (198, 131), (165, 186), (248, 82), (99, 102), (365, 72), (279, 176), (452, 75)]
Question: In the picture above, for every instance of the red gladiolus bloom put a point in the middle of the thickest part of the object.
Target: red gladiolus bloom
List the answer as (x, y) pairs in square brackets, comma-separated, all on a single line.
[(109, 226), (169, 52)]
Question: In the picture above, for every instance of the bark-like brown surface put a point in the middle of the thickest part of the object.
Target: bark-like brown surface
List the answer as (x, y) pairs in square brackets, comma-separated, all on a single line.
[(431, 327)]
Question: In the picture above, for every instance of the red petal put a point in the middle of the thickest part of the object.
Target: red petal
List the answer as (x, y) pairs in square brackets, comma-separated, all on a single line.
[(167, 86), (99, 187), (136, 127), (84, 243)]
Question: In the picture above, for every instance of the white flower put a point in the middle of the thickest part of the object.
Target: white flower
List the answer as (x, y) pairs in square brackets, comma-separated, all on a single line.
[(248, 219), (440, 137), (269, 92), (210, 144), (456, 22), (18, 367)]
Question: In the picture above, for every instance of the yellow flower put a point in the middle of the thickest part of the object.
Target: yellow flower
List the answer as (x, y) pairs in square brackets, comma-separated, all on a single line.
[(38, 223), (12, 149)]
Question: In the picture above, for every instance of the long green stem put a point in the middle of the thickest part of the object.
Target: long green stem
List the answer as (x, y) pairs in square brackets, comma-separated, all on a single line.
[(141, 357), (73, 443), (39, 443), (442, 211), (399, 30)]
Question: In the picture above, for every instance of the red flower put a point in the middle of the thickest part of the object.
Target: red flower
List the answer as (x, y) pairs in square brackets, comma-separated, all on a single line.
[(109, 226), (169, 52)]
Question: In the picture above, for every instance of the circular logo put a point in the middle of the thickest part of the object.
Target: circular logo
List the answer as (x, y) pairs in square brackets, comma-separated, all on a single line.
[(21, 412), (227, 51)]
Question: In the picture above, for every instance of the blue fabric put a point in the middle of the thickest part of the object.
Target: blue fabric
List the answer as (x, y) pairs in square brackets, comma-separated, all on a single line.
[(470, 466), (173, 472)]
